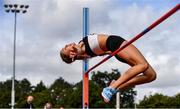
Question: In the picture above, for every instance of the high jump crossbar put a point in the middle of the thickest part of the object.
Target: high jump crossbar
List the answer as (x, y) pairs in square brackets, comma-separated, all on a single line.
[(157, 22)]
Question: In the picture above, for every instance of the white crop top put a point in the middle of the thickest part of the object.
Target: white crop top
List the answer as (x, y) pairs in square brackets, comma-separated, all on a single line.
[(94, 44)]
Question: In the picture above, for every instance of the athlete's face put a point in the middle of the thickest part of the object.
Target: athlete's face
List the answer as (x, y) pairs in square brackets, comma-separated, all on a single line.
[(70, 50)]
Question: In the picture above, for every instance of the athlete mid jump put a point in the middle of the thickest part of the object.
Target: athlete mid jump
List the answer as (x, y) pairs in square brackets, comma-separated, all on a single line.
[(94, 45)]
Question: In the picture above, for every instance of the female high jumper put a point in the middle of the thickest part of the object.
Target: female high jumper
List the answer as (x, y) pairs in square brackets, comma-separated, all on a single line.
[(94, 45)]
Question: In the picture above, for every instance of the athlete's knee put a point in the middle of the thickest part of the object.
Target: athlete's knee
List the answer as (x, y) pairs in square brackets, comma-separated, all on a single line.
[(151, 75), (148, 72)]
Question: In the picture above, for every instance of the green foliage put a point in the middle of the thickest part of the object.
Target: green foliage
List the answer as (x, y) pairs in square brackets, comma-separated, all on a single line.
[(62, 93), (127, 98), (41, 98), (22, 88), (99, 80), (5, 93), (74, 97), (176, 100), (40, 87), (160, 101), (104, 78)]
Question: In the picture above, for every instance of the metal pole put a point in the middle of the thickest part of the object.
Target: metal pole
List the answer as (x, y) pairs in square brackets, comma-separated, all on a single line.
[(14, 8), (118, 100), (14, 64), (135, 102), (157, 22), (85, 61)]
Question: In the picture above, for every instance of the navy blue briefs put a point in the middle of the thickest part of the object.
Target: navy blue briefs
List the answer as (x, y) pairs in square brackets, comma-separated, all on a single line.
[(113, 43)]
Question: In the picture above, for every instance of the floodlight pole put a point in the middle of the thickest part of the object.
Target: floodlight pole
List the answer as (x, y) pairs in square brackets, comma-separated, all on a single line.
[(14, 8)]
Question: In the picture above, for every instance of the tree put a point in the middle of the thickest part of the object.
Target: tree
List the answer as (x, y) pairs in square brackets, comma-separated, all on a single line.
[(40, 87), (155, 101), (73, 97), (22, 88), (60, 90), (103, 79), (62, 93), (127, 98), (175, 101), (41, 98), (5, 93)]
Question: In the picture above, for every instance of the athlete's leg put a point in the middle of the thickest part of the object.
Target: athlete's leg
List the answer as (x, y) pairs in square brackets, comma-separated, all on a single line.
[(129, 74), (139, 65), (132, 76), (148, 76)]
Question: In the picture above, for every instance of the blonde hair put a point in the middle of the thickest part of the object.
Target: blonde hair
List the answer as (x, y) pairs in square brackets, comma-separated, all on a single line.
[(66, 58)]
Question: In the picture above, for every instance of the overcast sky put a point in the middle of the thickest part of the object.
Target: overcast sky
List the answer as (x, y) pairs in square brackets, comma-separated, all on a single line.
[(50, 24)]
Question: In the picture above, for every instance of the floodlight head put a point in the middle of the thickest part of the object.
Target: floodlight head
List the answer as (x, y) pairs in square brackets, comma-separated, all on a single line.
[(21, 6), (17, 11), (13, 10), (7, 10), (15, 5), (24, 11), (6, 6), (10, 6), (26, 6)]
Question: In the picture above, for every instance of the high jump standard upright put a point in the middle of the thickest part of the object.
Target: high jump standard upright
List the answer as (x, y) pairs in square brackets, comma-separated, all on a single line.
[(85, 99)]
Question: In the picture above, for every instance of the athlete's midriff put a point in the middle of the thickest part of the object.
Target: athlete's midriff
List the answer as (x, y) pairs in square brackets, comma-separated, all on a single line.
[(102, 38)]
